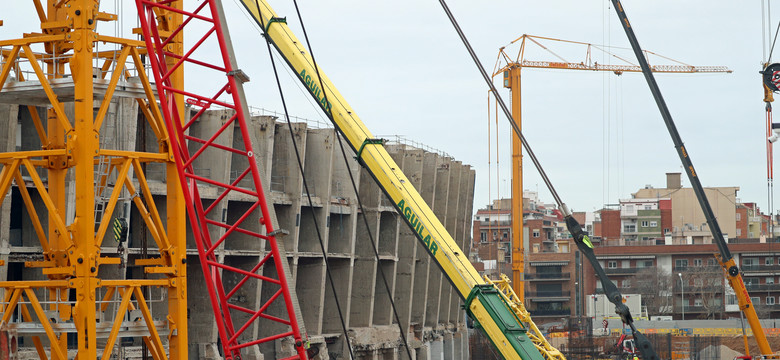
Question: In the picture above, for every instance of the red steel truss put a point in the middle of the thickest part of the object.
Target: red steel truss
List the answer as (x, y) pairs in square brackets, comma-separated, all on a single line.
[(204, 214)]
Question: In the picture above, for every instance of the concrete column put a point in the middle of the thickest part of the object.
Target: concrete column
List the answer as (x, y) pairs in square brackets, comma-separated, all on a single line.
[(424, 352), (437, 350), (422, 258), (450, 222), (435, 278), (411, 162), (448, 346), (461, 221)]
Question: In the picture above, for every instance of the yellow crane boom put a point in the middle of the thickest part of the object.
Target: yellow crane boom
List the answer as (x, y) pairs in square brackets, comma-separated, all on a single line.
[(484, 303)]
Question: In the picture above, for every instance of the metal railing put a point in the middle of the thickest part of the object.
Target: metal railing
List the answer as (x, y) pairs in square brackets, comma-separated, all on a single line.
[(544, 294), (548, 276), (622, 271)]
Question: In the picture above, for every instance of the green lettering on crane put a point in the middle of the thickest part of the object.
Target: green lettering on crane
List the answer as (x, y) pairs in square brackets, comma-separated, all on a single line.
[(418, 226)]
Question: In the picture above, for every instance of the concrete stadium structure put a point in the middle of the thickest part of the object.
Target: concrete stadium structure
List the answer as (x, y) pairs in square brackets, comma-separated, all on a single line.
[(429, 310)]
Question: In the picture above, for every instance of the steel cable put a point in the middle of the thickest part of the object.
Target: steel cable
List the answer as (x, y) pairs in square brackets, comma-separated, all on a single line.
[(355, 188), (306, 187)]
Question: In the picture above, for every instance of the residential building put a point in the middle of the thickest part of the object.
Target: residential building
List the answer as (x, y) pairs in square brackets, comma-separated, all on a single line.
[(688, 224), (687, 278)]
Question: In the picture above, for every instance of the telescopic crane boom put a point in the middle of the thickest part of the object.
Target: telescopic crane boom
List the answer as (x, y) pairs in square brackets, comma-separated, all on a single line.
[(725, 258)]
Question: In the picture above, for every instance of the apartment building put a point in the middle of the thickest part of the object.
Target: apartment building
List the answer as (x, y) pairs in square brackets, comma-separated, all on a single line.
[(686, 281)]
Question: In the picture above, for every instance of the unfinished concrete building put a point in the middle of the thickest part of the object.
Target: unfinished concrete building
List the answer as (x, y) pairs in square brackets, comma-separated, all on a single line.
[(429, 310)]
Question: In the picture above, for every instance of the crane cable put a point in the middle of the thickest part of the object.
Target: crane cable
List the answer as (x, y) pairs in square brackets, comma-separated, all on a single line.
[(581, 239), (373, 244), (308, 193), (506, 111)]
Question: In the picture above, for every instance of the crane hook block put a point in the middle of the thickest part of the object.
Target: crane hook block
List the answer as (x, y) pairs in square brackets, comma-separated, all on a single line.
[(771, 77)]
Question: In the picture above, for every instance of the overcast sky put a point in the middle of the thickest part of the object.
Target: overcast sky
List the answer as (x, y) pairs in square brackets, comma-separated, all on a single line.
[(600, 137)]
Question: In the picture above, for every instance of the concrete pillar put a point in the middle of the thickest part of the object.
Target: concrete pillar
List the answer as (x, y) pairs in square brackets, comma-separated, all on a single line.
[(457, 346), (411, 162), (448, 346), (460, 235), (440, 208), (450, 221), (422, 258), (437, 350), (424, 352)]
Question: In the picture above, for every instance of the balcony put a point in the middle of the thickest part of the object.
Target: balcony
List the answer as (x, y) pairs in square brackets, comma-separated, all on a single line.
[(756, 267), (622, 271), (548, 276), (762, 287), (699, 268), (562, 312), (548, 294)]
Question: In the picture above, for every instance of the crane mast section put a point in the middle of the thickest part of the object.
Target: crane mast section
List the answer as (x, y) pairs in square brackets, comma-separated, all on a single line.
[(493, 316)]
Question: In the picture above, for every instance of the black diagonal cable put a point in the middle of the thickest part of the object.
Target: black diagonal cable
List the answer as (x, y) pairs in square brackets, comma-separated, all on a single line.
[(581, 239), (354, 187), (306, 187)]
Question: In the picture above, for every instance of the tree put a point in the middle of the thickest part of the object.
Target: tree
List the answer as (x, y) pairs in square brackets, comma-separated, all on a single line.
[(655, 284), (706, 283)]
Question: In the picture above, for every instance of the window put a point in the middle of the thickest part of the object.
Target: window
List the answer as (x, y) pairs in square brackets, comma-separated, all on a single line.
[(629, 228), (645, 223), (749, 262), (487, 219), (731, 299), (482, 236), (536, 233), (739, 231), (770, 280), (653, 223), (739, 217), (506, 234), (770, 300), (612, 264), (697, 262), (625, 284), (564, 247), (711, 262), (698, 302), (536, 248), (756, 300), (666, 231), (698, 282), (681, 264), (641, 264), (769, 261), (648, 207)]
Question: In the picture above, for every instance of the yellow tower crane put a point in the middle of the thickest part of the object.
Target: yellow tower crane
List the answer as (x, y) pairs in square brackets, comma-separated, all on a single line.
[(510, 67), (75, 72)]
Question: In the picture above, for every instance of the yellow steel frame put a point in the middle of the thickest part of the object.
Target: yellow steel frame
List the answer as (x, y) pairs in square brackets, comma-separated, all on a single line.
[(451, 259), (516, 303), (72, 251)]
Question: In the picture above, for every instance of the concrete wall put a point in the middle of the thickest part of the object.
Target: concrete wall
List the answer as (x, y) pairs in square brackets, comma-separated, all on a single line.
[(428, 308)]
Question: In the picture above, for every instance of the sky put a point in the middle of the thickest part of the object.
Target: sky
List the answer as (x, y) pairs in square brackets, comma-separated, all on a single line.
[(599, 137)]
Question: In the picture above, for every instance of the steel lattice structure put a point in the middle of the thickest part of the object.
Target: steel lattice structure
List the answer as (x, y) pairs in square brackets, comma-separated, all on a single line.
[(210, 227)]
